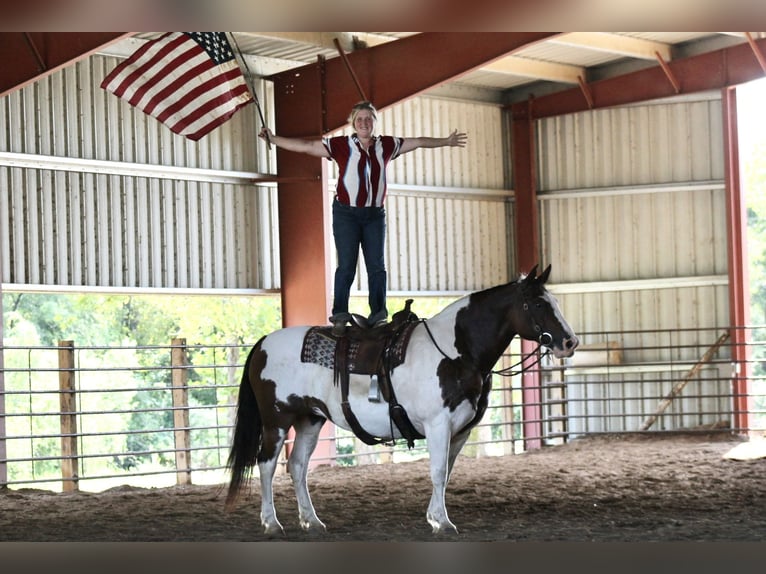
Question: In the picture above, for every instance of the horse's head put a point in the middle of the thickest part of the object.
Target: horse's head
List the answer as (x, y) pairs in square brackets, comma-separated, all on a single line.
[(541, 318)]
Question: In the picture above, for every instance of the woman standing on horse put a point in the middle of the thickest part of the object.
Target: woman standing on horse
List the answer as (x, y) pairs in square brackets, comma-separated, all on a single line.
[(358, 215)]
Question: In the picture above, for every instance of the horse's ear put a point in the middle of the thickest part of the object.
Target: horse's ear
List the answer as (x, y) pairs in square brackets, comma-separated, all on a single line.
[(544, 277), (532, 275)]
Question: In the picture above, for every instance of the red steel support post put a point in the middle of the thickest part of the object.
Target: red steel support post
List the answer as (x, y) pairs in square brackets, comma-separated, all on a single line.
[(304, 218), (304, 207), (527, 250)]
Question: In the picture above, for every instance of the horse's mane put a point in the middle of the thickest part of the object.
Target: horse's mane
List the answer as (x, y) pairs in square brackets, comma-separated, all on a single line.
[(463, 301)]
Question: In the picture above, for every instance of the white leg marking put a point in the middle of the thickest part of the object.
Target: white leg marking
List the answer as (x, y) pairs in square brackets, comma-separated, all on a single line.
[(438, 439), (306, 437), (266, 470), (456, 445)]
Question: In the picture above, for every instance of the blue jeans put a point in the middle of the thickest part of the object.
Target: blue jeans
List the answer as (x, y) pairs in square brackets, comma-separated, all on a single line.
[(353, 227)]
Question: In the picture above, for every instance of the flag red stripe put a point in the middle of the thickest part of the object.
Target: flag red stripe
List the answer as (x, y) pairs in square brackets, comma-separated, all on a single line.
[(185, 97), (214, 124), (177, 63), (191, 84), (177, 85), (144, 67), (207, 107), (134, 57)]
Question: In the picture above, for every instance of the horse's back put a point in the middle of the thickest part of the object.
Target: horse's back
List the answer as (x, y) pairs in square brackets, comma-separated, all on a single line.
[(289, 339), (283, 351)]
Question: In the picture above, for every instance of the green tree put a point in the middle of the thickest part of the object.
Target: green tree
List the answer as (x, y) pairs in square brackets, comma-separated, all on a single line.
[(148, 323), (755, 189)]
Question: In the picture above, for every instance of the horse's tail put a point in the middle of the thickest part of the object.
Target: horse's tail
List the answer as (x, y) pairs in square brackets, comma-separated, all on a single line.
[(246, 441)]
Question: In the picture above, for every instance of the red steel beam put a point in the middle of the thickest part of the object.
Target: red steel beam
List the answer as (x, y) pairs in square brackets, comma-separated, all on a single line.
[(30, 56), (525, 190), (392, 72), (713, 70)]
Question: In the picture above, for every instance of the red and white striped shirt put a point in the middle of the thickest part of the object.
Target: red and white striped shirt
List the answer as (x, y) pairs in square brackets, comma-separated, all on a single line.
[(361, 173)]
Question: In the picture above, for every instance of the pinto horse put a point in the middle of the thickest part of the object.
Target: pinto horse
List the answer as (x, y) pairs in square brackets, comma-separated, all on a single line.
[(443, 384)]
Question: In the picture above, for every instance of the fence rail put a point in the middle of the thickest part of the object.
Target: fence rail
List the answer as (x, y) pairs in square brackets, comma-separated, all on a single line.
[(98, 417)]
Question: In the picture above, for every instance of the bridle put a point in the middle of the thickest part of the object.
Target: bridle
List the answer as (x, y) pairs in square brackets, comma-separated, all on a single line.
[(543, 340)]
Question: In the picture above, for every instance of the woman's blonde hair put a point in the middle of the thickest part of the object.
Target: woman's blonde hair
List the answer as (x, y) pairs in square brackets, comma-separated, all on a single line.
[(364, 105)]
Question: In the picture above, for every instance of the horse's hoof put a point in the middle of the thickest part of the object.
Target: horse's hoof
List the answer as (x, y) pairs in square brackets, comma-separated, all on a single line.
[(315, 525), (445, 528), (273, 529)]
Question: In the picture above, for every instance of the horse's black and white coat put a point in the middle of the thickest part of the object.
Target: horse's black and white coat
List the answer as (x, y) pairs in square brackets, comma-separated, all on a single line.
[(443, 384)]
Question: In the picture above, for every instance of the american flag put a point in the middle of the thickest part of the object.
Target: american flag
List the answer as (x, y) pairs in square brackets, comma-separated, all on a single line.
[(190, 81)]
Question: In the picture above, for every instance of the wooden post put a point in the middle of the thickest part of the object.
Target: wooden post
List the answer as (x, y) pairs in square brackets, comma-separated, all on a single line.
[(182, 434), (68, 404), (665, 403)]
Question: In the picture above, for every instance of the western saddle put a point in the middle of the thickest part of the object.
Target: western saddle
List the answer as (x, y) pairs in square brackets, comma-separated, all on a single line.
[(376, 351)]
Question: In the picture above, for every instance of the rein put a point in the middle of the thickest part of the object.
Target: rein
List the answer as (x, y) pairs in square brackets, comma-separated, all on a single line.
[(544, 339), (509, 372)]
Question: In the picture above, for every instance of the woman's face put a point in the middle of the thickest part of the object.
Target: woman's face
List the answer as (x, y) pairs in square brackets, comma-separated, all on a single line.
[(364, 123)]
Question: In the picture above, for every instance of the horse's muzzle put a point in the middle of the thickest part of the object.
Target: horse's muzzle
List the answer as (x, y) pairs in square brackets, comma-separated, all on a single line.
[(566, 349)]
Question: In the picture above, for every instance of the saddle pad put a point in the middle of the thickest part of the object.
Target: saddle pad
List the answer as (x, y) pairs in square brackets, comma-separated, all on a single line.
[(319, 347)]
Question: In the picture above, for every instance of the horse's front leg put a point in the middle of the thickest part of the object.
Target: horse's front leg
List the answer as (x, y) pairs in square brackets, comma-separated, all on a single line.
[(456, 445), (438, 439)]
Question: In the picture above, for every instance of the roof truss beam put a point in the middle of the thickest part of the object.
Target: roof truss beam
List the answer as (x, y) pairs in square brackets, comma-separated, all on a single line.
[(616, 44), (709, 71), (538, 69)]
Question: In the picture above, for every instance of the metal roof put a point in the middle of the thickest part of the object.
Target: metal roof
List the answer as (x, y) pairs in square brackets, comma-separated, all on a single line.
[(547, 66)]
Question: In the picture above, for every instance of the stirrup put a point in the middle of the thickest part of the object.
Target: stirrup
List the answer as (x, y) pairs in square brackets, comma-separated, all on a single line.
[(374, 395)]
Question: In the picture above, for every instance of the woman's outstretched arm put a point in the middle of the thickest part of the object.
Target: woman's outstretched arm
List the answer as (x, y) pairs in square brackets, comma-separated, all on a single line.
[(455, 139), (310, 147)]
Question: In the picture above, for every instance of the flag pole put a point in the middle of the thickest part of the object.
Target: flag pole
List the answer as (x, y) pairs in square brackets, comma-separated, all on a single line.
[(241, 61)]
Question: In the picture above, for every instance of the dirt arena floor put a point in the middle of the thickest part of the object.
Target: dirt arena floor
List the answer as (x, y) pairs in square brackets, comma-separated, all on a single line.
[(622, 488)]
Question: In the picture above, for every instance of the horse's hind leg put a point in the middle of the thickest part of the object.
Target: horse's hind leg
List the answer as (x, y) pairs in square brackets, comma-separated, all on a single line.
[(306, 437), (273, 440)]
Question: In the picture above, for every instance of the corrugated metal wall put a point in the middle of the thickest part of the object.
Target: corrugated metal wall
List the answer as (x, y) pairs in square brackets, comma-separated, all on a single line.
[(78, 228), (633, 219), (86, 229), (449, 211)]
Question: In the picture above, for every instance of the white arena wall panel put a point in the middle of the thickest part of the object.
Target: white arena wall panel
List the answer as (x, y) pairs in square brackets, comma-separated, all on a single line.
[(449, 210), (159, 211), (124, 225), (633, 219)]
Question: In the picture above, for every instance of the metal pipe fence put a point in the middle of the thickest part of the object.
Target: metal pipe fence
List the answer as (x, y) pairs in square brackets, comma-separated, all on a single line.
[(101, 417)]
